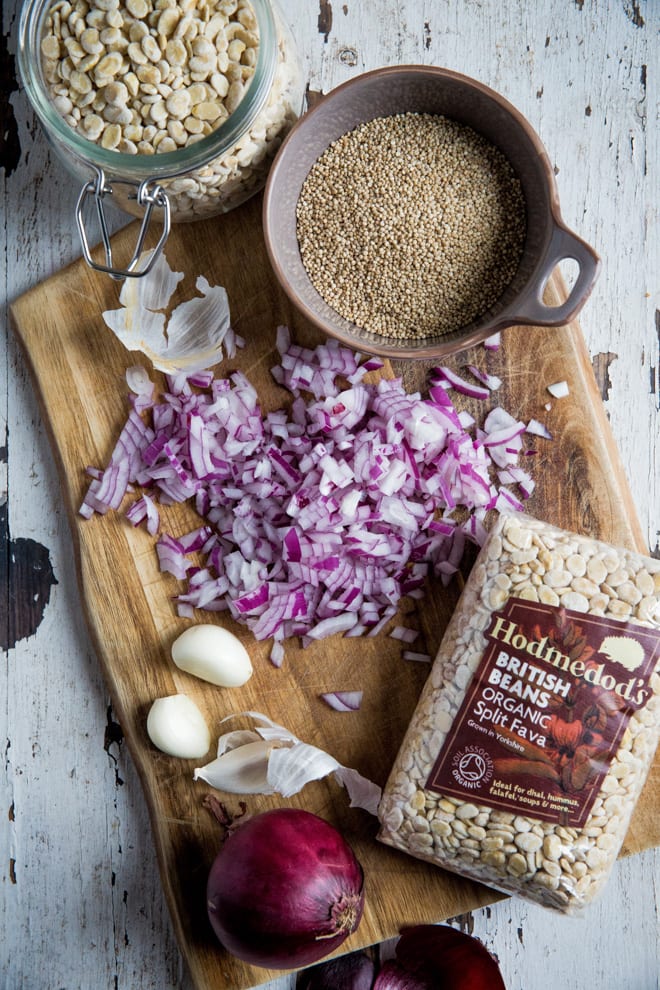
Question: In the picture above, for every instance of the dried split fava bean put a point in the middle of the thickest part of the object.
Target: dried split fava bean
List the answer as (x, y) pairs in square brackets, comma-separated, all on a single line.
[(539, 855)]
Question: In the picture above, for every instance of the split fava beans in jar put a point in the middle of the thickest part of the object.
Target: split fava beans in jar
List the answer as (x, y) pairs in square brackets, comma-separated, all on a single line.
[(179, 105)]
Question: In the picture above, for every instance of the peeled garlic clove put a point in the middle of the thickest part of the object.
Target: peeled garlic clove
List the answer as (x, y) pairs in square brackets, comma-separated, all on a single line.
[(214, 654), (176, 726)]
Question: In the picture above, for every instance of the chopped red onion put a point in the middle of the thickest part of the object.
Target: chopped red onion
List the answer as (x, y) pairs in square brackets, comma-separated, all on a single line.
[(334, 624), (506, 501), (538, 429), (559, 390), (317, 518), (171, 557), (493, 342), (380, 625), (108, 491), (445, 376), (416, 657), (404, 635), (343, 701), (518, 476), (491, 382), (144, 510), (277, 654)]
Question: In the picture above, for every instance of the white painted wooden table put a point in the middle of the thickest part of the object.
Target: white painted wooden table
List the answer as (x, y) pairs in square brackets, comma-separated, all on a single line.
[(80, 899)]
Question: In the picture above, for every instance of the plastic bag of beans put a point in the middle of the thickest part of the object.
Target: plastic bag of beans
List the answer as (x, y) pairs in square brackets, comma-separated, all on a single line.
[(537, 726)]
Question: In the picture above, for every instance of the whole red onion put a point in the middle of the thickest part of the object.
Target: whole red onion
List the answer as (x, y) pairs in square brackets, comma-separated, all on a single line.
[(285, 890), (432, 956), (354, 971)]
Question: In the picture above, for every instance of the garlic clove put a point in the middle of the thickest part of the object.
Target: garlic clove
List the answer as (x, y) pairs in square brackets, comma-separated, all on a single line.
[(213, 654), (176, 726)]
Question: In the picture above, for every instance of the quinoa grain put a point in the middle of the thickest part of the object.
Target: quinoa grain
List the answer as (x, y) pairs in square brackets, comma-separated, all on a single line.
[(411, 225)]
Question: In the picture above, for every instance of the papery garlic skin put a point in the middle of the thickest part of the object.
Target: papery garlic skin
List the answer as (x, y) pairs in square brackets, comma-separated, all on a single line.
[(213, 654), (243, 770), (271, 760), (176, 726), (191, 340)]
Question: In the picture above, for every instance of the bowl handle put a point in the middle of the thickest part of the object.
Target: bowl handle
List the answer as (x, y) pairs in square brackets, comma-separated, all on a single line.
[(530, 308)]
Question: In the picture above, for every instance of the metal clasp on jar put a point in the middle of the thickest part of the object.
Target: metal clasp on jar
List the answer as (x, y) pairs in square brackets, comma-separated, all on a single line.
[(149, 195)]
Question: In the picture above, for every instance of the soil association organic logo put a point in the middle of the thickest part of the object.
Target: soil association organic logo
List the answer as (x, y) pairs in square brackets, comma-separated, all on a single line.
[(472, 767)]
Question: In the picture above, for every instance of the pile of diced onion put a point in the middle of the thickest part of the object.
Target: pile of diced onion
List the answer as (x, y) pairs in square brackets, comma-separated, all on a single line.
[(318, 518)]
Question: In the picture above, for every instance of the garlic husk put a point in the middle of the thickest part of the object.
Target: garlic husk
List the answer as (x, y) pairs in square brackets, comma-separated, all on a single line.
[(232, 740), (196, 328), (138, 329), (272, 760), (212, 654), (152, 291), (176, 726), (240, 771), (191, 340)]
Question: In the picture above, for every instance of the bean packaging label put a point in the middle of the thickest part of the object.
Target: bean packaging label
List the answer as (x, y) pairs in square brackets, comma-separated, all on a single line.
[(545, 711)]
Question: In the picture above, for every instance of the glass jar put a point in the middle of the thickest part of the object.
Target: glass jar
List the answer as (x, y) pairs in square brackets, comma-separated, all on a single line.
[(105, 79)]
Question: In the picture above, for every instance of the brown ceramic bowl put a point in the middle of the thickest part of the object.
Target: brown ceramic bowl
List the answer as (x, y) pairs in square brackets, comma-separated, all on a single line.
[(425, 89)]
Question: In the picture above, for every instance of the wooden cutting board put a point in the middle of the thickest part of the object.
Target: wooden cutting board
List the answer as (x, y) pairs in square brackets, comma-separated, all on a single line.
[(79, 375)]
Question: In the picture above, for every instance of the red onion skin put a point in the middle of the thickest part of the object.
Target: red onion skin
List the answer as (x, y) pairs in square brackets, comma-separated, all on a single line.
[(354, 971), (285, 890), (393, 976), (433, 956)]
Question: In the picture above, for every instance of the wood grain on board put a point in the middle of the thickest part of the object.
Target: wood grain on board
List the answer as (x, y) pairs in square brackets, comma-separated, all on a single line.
[(78, 368)]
